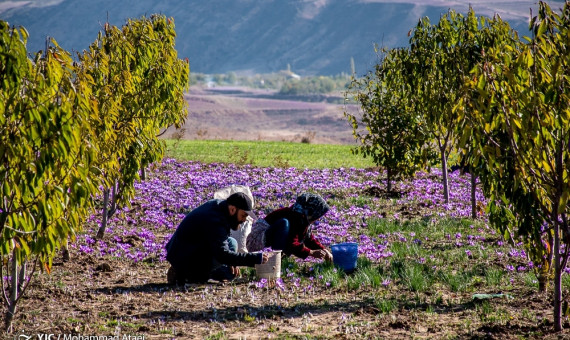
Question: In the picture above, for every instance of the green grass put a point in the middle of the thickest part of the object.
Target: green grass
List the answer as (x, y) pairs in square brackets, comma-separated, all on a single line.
[(366, 276), (457, 282), (420, 262), (494, 277), (267, 154), (326, 270), (415, 277), (378, 226), (386, 306)]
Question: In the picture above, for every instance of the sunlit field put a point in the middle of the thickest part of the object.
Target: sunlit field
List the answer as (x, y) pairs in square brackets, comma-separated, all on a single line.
[(264, 154), (425, 269)]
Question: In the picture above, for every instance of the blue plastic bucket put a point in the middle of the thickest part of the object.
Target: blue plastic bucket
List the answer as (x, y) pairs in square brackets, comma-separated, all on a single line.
[(345, 255)]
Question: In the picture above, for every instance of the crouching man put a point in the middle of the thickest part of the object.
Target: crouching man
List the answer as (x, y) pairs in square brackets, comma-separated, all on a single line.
[(201, 247)]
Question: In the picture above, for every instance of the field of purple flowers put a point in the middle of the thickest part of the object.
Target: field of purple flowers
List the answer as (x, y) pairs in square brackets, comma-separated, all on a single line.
[(425, 269), (175, 188)]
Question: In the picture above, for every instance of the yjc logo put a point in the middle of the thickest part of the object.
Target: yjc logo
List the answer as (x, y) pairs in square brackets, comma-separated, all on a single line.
[(39, 337), (23, 337)]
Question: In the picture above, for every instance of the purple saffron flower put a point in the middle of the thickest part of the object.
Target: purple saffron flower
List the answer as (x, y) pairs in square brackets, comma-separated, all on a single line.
[(86, 249), (261, 284), (280, 284), (296, 282)]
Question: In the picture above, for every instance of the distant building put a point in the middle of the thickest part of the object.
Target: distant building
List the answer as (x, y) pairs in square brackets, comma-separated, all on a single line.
[(290, 75)]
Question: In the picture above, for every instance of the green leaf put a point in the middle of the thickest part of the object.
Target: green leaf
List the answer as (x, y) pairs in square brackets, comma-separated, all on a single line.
[(541, 28)]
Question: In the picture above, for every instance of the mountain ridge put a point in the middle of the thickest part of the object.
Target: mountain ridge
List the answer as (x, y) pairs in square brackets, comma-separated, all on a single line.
[(248, 36)]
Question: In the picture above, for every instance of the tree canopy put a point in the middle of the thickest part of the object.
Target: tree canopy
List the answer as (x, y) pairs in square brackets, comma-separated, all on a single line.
[(68, 128)]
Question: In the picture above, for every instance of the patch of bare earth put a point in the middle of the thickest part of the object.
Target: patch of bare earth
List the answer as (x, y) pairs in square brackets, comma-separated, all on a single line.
[(249, 114), (92, 296)]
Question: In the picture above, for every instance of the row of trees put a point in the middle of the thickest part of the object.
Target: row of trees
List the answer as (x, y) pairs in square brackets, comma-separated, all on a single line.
[(281, 81), (308, 85), (73, 130), (471, 85)]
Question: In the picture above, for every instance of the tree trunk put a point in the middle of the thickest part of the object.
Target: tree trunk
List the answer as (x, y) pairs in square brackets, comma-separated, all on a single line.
[(544, 273), (388, 180), (101, 231), (114, 195), (14, 293), (109, 208), (444, 174), (559, 181), (557, 279), (473, 198), (65, 251), (143, 174), (21, 278)]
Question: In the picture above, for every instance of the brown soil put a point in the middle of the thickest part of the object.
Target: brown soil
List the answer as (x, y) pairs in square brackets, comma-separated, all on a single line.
[(91, 296), (248, 114)]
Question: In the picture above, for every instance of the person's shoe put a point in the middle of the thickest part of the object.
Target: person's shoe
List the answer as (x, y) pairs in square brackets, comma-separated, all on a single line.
[(171, 276), (222, 273)]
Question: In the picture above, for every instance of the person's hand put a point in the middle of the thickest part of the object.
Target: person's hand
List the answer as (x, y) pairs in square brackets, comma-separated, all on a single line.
[(318, 253), (235, 271), (264, 258), (328, 256)]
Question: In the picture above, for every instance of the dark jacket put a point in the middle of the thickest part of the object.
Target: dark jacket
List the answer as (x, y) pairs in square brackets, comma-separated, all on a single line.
[(201, 238), (300, 241)]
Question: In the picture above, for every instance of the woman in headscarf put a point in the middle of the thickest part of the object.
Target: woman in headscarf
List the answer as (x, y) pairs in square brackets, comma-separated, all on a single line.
[(289, 229)]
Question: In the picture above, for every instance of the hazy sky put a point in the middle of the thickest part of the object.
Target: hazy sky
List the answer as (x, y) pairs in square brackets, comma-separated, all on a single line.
[(507, 9)]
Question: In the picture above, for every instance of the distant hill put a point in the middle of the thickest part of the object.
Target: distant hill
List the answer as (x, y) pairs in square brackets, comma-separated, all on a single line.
[(313, 37)]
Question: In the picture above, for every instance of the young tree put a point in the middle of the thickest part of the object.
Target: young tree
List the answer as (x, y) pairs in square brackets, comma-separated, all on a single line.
[(159, 81), (489, 33), (138, 84), (394, 135), (443, 55), (520, 118), (46, 171)]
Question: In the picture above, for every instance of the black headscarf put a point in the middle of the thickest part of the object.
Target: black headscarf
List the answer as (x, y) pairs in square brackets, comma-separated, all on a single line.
[(312, 206)]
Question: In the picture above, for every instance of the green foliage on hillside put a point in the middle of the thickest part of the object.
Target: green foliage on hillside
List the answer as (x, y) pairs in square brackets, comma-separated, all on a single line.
[(308, 86), (285, 82)]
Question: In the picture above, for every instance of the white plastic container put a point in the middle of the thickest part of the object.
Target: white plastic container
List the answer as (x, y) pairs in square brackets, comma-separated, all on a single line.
[(272, 268)]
